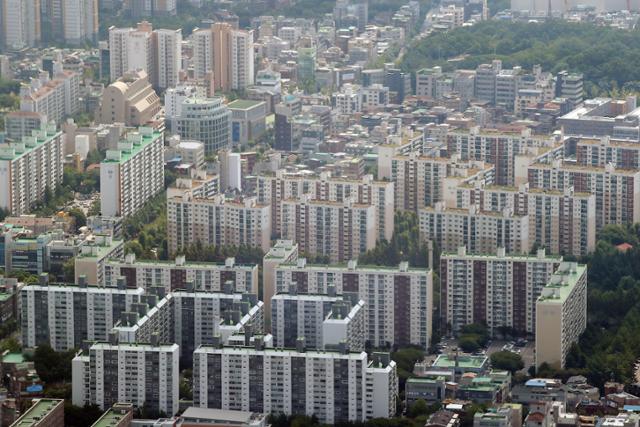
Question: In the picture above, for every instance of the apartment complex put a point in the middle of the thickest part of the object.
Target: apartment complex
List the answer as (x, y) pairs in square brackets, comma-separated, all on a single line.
[(497, 290), (130, 100), (227, 53), (94, 254), (157, 52), (21, 123), (331, 385), (217, 221), (563, 222), (28, 168), (398, 302), (480, 231), (285, 186), (325, 321), (500, 149), (282, 252), (339, 231), (616, 191), (561, 314), (132, 174), (63, 316), (145, 375), (207, 120), (56, 98), (172, 275), (80, 21)]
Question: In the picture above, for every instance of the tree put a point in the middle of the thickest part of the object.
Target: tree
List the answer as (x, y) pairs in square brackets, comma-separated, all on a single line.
[(53, 366), (420, 407), (468, 344), (76, 416), (69, 270), (79, 218), (507, 360)]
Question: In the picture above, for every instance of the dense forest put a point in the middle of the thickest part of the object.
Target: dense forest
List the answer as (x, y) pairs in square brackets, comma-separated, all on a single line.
[(609, 58)]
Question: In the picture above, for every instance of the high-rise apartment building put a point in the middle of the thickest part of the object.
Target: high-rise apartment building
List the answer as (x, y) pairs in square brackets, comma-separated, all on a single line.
[(501, 149), (133, 174), (80, 21), (339, 231), (63, 316), (56, 97), (145, 375), (282, 252), (205, 276), (563, 222), (561, 314), (29, 168), (616, 191), (21, 123), (217, 221), (228, 53), (480, 231), (274, 189), (130, 100), (398, 301), (334, 386), (497, 290), (207, 120), (325, 321), (157, 52), (21, 19)]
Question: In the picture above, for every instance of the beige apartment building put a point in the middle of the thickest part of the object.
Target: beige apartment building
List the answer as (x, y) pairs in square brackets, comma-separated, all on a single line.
[(561, 314)]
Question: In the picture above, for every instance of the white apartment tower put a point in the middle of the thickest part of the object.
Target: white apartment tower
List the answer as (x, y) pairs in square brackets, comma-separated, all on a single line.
[(133, 174), (80, 21), (21, 23)]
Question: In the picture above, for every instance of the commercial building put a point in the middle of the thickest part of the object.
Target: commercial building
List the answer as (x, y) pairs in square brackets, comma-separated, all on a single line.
[(248, 120), (603, 117), (38, 155), (312, 224), (141, 374), (227, 53), (130, 100), (217, 221), (333, 386), (398, 301), (561, 314), (207, 120), (43, 413), (274, 189), (480, 231), (172, 275), (207, 417), (284, 129), (63, 316), (497, 290), (132, 174)]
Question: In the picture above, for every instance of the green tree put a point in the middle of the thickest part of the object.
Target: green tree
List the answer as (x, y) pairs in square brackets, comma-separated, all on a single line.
[(79, 217), (507, 360), (468, 344)]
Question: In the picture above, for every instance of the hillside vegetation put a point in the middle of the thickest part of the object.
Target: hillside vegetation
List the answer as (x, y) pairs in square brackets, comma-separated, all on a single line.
[(609, 58)]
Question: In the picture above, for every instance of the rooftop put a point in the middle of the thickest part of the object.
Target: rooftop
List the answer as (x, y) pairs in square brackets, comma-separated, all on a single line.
[(243, 104), (40, 409), (13, 358), (562, 282), (139, 140), (463, 361), (110, 418), (28, 143)]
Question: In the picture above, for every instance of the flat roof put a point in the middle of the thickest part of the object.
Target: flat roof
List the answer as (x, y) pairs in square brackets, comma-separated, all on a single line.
[(562, 282), (39, 410), (464, 361), (243, 104), (136, 147), (217, 415), (110, 418), (13, 358), (20, 148)]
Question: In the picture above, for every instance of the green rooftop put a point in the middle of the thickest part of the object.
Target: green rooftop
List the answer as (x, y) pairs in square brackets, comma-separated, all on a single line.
[(102, 250), (464, 362), (13, 358), (39, 410), (562, 282), (28, 143), (243, 104), (110, 418), (4, 296), (139, 140)]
